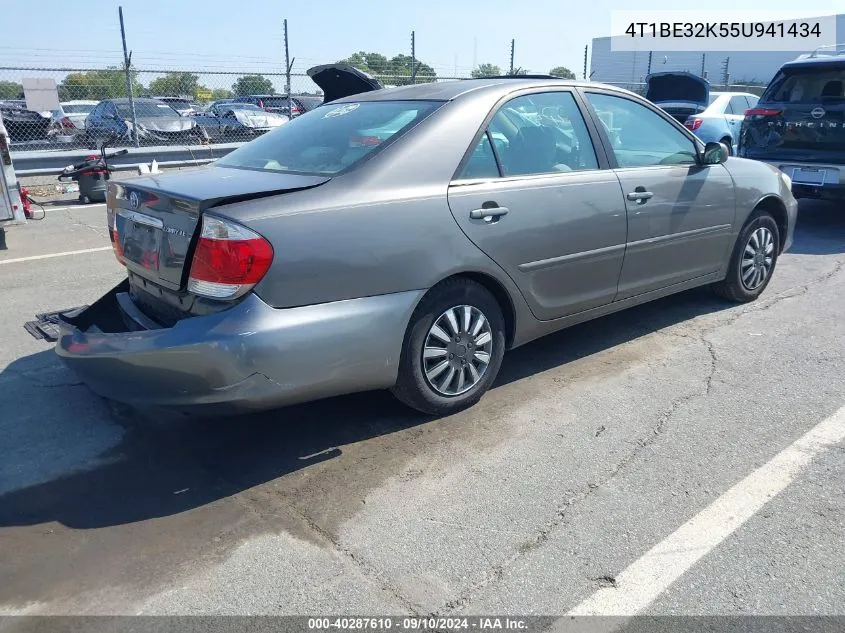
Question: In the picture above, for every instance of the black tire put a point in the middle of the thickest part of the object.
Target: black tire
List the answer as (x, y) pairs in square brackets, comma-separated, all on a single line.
[(412, 386), (729, 143), (732, 287)]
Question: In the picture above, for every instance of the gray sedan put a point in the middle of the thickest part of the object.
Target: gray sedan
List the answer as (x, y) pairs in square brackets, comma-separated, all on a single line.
[(406, 238), (237, 121)]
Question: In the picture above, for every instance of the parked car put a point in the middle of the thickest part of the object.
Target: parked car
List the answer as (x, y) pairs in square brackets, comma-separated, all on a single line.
[(69, 119), (157, 123), (182, 105), (306, 264), (299, 104), (22, 124), (799, 125), (681, 94), (237, 121), (722, 119)]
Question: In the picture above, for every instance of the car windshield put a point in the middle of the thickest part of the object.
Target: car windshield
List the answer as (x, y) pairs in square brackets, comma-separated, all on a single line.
[(807, 85), (76, 108), (331, 138), (146, 109)]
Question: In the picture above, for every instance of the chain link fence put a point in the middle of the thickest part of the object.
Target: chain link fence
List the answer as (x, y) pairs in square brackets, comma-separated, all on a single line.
[(171, 107), (202, 107)]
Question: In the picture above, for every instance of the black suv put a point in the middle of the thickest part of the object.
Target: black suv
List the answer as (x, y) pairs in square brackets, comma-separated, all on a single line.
[(799, 125)]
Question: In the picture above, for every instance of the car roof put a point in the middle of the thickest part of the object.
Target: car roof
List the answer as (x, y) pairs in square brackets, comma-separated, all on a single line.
[(816, 60), (452, 89)]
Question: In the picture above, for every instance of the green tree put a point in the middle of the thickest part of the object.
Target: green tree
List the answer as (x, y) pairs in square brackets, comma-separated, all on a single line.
[(253, 85), (520, 71), (486, 70), (563, 72), (98, 84), (397, 70), (221, 93), (10, 90), (372, 63), (176, 84)]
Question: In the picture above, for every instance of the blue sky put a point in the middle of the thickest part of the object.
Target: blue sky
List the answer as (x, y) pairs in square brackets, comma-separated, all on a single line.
[(247, 35)]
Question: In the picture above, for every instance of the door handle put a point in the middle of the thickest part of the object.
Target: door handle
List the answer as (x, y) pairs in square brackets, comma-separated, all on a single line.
[(640, 195), (488, 214)]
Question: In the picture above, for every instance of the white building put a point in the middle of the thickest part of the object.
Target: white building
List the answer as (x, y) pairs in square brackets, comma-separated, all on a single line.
[(743, 67)]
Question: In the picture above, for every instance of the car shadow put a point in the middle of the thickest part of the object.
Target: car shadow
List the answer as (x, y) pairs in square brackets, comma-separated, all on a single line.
[(820, 229), (219, 457)]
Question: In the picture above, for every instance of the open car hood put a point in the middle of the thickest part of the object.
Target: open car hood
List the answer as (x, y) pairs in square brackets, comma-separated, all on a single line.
[(341, 80), (677, 87)]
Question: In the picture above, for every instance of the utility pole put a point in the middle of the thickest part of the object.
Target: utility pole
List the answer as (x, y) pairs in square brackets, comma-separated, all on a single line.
[(287, 71), (413, 58), (725, 72), (648, 71), (127, 68), (703, 59), (513, 45), (586, 49), (474, 53)]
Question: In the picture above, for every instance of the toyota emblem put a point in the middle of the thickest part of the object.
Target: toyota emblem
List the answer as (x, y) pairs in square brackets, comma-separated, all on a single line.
[(133, 200), (817, 113)]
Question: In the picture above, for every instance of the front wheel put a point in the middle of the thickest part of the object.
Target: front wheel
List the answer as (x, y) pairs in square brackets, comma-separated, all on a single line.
[(452, 350), (753, 260)]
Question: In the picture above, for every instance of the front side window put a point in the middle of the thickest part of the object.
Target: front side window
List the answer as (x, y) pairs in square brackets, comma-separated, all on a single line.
[(639, 136), (330, 139), (541, 133)]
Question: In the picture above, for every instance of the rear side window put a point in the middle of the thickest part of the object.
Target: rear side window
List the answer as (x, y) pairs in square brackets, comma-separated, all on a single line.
[(738, 105), (330, 139), (807, 85)]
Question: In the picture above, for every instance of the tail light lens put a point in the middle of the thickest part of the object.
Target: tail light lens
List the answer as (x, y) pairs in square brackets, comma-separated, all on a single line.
[(229, 260), (763, 112), (67, 123), (692, 123), (115, 238)]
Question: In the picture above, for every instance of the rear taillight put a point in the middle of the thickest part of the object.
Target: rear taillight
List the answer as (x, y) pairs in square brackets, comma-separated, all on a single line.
[(692, 123), (67, 123), (268, 109), (762, 112), (115, 238), (229, 259), (296, 110)]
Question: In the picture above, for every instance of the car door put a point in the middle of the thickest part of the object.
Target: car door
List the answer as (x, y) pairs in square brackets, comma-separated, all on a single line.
[(537, 198), (680, 213), (94, 122)]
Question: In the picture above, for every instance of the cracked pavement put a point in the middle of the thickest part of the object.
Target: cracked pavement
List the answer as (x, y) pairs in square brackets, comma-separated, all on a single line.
[(595, 444)]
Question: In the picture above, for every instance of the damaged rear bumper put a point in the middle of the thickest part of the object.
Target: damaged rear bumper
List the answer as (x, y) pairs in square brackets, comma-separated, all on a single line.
[(251, 356)]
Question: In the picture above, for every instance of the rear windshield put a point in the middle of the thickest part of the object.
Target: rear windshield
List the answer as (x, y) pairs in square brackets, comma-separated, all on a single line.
[(310, 102), (274, 102), (330, 139), (807, 85), (146, 109), (184, 105)]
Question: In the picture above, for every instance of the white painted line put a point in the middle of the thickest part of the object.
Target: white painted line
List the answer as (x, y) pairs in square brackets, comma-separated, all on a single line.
[(76, 206), (51, 255), (650, 575)]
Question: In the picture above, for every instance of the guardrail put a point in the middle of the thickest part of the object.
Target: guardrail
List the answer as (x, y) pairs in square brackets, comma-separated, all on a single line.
[(47, 162)]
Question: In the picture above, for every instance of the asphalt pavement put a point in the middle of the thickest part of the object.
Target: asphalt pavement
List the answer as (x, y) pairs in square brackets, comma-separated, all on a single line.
[(682, 457)]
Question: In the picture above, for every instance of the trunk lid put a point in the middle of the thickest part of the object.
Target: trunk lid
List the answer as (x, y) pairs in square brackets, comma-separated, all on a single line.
[(681, 94), (341, 80), (156, 218), (800, 117)]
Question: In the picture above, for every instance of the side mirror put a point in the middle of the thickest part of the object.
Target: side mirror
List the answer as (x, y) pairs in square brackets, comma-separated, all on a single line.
[(714, 153)]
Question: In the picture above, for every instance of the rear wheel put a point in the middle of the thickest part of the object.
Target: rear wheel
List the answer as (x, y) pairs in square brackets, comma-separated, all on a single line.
[(727, 141), (452, 350), (753, 260)]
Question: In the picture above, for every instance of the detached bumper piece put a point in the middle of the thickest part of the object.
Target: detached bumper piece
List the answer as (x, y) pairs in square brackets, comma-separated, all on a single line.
[(46, 325)]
